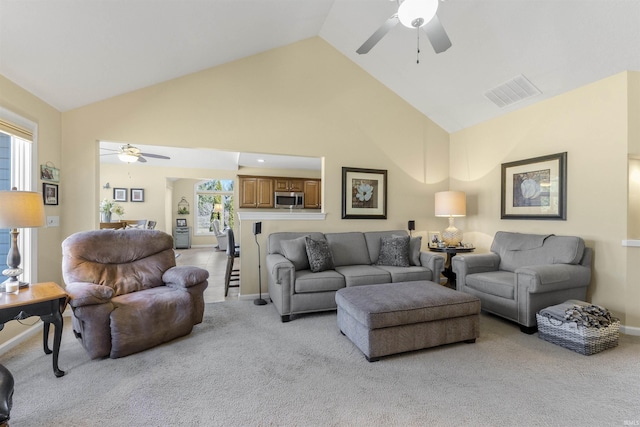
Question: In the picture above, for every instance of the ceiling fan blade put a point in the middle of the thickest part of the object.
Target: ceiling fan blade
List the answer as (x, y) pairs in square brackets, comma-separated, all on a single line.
[(142, 159), (437, 35), (109, 149), (380, 33), (109, 154), (156, 156)]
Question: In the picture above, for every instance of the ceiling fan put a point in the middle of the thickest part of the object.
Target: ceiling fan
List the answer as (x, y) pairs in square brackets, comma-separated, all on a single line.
[(130, 154), (413, 14)]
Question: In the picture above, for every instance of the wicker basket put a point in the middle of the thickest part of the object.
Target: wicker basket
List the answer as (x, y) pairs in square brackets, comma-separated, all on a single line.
[(583, 340)]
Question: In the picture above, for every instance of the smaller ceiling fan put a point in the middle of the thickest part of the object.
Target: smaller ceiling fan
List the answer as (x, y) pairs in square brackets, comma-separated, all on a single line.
[(130, 154), (413, 14)]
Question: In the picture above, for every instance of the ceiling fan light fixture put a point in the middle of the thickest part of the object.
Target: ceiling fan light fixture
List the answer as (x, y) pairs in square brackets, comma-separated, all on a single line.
[(416, 13), (127, 158)]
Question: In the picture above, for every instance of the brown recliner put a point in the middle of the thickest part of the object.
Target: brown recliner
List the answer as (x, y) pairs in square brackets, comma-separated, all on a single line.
[(127, 294)]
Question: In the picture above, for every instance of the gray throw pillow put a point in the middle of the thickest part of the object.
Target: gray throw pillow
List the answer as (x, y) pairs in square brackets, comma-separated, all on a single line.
[(415, 244), (394, 251), (295, 250), (319, 254)]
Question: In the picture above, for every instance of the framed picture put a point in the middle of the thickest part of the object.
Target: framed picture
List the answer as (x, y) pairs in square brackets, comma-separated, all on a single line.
[(535, 188), (434, 239), (50, 193), (181, 222), (137, 195), (48, 172), (120, 194), (364, 193)]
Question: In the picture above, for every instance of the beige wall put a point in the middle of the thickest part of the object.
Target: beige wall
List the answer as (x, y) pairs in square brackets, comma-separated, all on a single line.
[(24, 104), (303, 99), (591, 124)]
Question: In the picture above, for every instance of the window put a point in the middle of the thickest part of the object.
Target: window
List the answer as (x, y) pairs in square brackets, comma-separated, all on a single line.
[(214, 199), (16, 170)]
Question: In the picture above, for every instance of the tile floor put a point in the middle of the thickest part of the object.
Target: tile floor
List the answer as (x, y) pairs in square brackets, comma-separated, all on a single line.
[(215, 262)]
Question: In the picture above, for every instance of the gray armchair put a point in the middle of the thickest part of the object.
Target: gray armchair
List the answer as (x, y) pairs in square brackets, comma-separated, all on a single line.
[(127, 294), (525, 273)]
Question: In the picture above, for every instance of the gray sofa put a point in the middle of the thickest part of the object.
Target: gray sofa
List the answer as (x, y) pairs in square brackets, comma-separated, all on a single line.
[(525, 273), (295, 289)]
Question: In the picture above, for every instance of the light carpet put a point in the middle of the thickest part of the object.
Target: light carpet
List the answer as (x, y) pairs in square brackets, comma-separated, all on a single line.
[(243, 367)]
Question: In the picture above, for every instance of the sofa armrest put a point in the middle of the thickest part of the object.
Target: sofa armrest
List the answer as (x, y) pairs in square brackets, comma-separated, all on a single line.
[(184, 276), (83, 293), (434, 262), (553, 277), (281, 271)]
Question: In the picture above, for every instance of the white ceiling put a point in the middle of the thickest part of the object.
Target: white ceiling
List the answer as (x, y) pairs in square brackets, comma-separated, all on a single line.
[(74, 52)]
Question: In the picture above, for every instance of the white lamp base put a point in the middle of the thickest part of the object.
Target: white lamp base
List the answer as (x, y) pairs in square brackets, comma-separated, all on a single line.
[(452, 236)]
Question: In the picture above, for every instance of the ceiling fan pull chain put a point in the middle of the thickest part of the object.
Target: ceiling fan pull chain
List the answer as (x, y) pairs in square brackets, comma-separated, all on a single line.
[(418, 46)]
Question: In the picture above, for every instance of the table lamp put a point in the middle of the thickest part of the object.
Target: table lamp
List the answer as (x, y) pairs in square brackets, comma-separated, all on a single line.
[(18, 209), (217, 208), (451, 204)]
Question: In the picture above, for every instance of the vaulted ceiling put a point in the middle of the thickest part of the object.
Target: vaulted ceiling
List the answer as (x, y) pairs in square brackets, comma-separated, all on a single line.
[(72, 53)]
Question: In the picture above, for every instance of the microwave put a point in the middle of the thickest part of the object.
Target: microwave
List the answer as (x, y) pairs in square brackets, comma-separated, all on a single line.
[(290, 200)]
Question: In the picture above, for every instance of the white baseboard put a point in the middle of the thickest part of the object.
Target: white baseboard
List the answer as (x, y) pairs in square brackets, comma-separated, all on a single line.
[(33, 330), (630, 330)]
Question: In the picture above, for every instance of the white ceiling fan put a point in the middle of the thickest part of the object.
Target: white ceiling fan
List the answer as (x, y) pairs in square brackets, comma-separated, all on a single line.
[(413, 14), (130, 154)]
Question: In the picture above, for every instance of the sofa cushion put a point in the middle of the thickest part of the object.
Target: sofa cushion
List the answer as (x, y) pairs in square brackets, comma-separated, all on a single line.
[(324, 281), (519, 250), (498, 283), (356, 275), (394, 251), (319, 255), (348, 248), (415, 245), (295, 250), (274, 240), (407, 274)]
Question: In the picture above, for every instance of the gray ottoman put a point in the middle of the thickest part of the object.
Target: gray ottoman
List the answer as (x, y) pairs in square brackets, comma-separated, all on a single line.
[(396, 317)]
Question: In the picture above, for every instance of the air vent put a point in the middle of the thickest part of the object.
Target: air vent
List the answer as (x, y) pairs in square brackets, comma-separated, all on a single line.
[(515, 90)]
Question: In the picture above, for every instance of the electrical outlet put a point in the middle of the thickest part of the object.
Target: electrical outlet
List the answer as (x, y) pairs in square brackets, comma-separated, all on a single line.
[(53, 221)]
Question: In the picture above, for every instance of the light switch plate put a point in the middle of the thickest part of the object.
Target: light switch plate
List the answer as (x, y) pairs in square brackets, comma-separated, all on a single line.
[(53, 221)]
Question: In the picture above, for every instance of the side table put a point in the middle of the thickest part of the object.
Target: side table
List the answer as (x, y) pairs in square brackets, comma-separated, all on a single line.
[(451, 251), (46, 300)]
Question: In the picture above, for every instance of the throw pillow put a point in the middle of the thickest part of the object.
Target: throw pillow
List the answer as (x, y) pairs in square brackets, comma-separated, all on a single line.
[(394, 251), (295, 250), (415, 244), (319, 254)]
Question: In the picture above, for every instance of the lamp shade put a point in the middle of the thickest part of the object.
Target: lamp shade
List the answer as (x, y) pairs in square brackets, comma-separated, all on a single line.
[(416, 13), (217, 207), (451, 203), (21, 209)]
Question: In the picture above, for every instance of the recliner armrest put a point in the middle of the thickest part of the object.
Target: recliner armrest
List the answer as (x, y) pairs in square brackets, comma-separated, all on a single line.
[(184, 276), (553, 277), (83, 293)]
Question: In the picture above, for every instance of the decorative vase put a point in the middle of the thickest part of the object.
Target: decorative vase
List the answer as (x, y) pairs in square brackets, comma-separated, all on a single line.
[(105, 216)]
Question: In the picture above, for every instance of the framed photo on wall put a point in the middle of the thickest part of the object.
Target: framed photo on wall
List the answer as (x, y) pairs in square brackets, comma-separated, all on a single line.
[(137, 195), (50, 193), (120, 194), (535, 188), (364, 193)]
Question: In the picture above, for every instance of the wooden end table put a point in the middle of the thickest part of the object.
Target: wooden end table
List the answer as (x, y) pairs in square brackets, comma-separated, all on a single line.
[(46, 300), (451, 251)]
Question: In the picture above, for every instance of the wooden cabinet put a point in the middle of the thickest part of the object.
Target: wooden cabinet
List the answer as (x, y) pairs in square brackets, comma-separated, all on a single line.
[(289, 184), (255, 192), (312, 194)]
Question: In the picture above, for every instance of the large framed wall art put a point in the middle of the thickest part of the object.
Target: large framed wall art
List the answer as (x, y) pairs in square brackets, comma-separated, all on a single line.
[(364, 193), (535, 188)]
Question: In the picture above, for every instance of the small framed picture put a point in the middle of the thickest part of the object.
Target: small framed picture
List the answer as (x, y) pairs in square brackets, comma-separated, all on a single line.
[(181, 222), (434, 239), (48, 172), (50, 193), (137, 195), (120, 194)]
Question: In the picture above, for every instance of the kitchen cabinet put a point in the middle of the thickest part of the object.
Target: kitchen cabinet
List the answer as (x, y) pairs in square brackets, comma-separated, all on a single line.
[(255, 192), (289, 184), (312, 194)]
